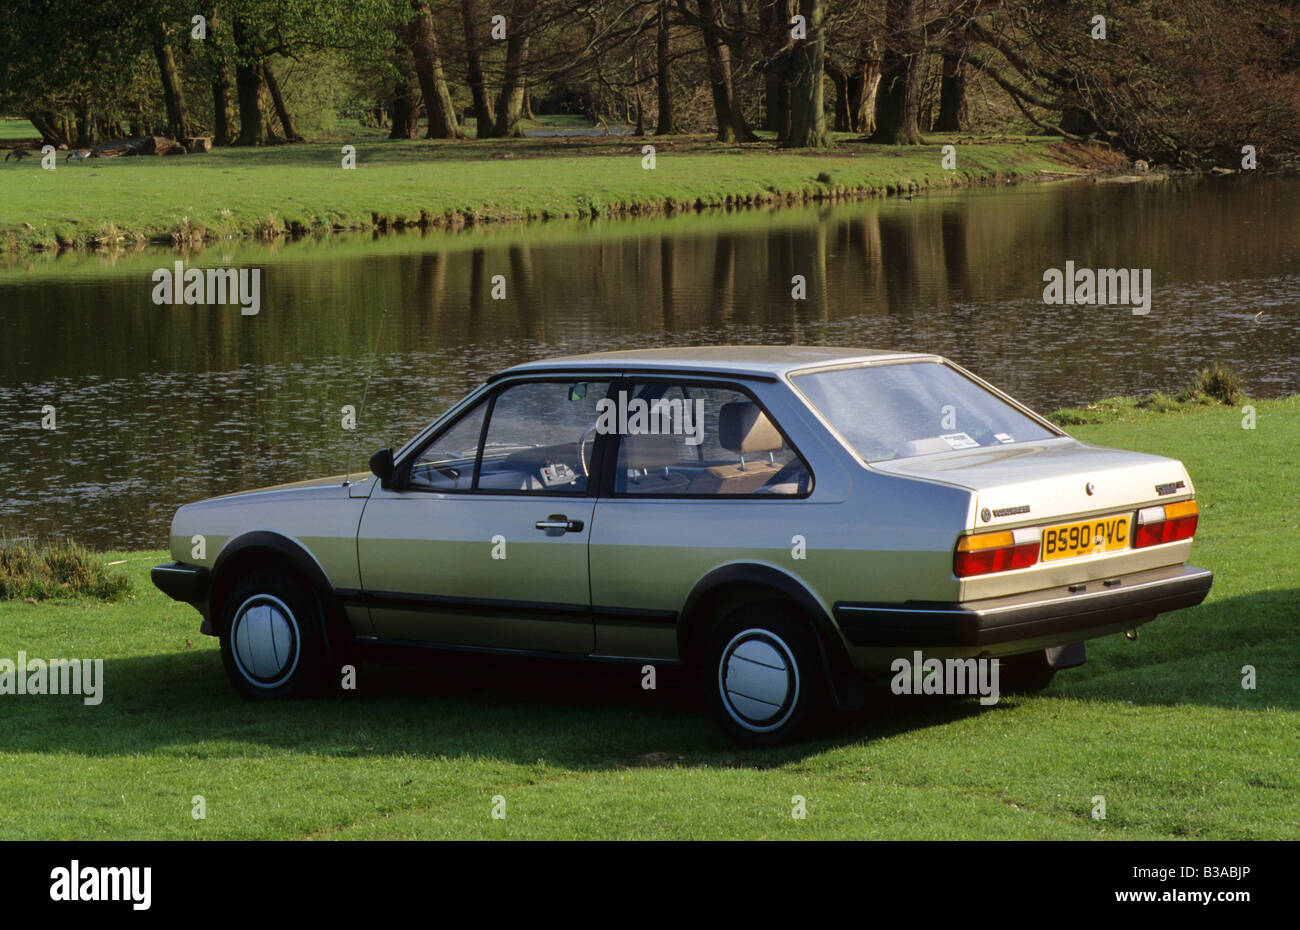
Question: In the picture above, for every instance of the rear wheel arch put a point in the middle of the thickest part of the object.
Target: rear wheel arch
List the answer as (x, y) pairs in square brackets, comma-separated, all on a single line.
[(726, 589)]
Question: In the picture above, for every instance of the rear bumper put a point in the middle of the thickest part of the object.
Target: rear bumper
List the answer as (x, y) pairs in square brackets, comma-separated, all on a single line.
[(187, 583), (1037, 615)]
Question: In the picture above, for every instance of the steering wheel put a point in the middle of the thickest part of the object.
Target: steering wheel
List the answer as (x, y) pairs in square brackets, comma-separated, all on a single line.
[(582, 451)]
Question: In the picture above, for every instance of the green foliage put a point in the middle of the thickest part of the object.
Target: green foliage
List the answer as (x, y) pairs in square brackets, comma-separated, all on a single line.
[(1217, 383), (60, 569)]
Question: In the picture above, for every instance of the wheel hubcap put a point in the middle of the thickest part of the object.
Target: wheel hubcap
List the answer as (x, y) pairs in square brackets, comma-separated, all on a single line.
[(758, 679), (264, 640)]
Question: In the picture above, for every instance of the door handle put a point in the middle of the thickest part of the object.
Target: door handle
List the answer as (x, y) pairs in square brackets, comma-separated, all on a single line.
[(558, 523)]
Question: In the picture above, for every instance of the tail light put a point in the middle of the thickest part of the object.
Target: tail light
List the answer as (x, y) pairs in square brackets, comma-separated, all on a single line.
[(983, 553), (1169, 523)]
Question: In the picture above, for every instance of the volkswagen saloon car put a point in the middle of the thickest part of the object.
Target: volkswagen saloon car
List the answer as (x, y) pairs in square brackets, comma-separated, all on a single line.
[(784, 522)]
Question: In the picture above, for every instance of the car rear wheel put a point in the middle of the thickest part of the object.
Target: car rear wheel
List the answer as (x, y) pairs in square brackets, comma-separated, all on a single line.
[(762, 674), (1025, 674), (271, 641)]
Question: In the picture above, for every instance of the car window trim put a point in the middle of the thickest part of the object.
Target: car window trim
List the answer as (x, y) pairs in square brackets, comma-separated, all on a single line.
[(698, 380), (489, 397)]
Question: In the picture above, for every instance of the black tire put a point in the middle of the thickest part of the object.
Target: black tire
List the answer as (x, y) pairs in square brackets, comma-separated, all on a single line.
[(271, 640), (1025, 674), (768, 649)]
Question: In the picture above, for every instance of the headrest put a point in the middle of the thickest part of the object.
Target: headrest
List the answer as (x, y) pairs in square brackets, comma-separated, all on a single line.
[(650, 450), (744, 428)]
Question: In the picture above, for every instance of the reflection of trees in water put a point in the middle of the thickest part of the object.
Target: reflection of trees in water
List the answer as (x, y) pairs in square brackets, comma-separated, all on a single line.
[(478, 288), (667, 283), (430, 282), (899, 274), (522, 290), (720, 307)]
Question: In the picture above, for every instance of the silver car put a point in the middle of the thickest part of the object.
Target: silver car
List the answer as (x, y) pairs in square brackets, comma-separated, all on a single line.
[(787, 522)]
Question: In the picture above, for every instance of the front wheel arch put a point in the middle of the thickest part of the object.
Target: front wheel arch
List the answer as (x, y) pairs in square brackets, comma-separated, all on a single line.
[(265, 550)]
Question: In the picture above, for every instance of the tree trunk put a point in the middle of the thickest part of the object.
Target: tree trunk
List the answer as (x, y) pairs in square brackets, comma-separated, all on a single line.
[(854, 84), (663, 75), (223, 107), (898, 102), (405, 115), (423, 40), (865, 118), (291, 133), (47, 124), (484, 118), (952, 95), (510, 100), (731, 122), (248, 87), (843, 123), (774, 24), (173, 95), (807, 100), (85, 126)]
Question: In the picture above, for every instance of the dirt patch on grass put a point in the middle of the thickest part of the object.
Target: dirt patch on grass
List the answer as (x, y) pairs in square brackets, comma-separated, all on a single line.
[(1090, 156)]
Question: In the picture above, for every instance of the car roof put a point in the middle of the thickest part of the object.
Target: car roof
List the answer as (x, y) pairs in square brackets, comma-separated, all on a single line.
[(766, 362)]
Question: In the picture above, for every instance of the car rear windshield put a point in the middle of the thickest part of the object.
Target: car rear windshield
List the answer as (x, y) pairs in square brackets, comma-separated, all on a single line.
[(914, 408)]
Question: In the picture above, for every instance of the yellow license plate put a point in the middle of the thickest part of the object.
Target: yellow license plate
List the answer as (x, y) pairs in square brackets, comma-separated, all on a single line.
[(1088, 537)]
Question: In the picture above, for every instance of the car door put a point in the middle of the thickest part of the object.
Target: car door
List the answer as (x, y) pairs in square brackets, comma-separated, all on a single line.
[(700, 476), (482, 540)]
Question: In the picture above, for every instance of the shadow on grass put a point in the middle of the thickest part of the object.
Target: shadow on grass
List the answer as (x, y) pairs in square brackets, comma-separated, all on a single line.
[(587, 716)]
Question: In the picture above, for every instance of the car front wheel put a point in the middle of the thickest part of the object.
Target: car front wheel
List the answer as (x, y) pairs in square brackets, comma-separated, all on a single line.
[(271, 641), (762, 675)]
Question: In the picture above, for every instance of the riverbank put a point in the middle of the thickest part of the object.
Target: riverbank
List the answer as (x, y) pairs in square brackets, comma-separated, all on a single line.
[(1160, 726), (293, 190)]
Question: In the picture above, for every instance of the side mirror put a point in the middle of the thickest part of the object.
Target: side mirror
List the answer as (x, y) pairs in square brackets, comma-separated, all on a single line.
[(381, 465)]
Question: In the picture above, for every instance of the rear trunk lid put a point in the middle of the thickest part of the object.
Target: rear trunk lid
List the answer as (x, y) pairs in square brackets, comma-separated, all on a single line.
[(1039, 482), (1052, 483)]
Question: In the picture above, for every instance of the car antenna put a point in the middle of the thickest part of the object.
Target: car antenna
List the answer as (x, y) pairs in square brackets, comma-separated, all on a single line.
[(370, 370)]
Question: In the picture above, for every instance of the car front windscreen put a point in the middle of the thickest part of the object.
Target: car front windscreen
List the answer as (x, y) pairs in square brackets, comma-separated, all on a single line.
[(900, 410)]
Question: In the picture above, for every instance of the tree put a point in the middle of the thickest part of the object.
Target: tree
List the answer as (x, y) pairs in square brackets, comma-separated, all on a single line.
[(423, 39), (731, 121), (510, 98), (807, 104), (173, 95), (249, 85), (898, 102), (663, 73), (484, 117)]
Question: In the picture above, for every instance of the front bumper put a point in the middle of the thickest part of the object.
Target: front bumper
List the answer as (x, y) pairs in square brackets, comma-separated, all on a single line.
[(1058, 613), (180, 582)]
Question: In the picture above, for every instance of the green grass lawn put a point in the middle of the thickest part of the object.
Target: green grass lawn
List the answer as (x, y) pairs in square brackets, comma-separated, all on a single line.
[(17, 129), (241, 193), (1160, 727)]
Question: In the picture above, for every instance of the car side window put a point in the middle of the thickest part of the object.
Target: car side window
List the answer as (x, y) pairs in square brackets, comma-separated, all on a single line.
[(447, 463), (541, 437), (702, 440)]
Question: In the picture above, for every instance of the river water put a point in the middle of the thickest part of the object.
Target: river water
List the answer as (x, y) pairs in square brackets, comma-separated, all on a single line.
[(158, 405)]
